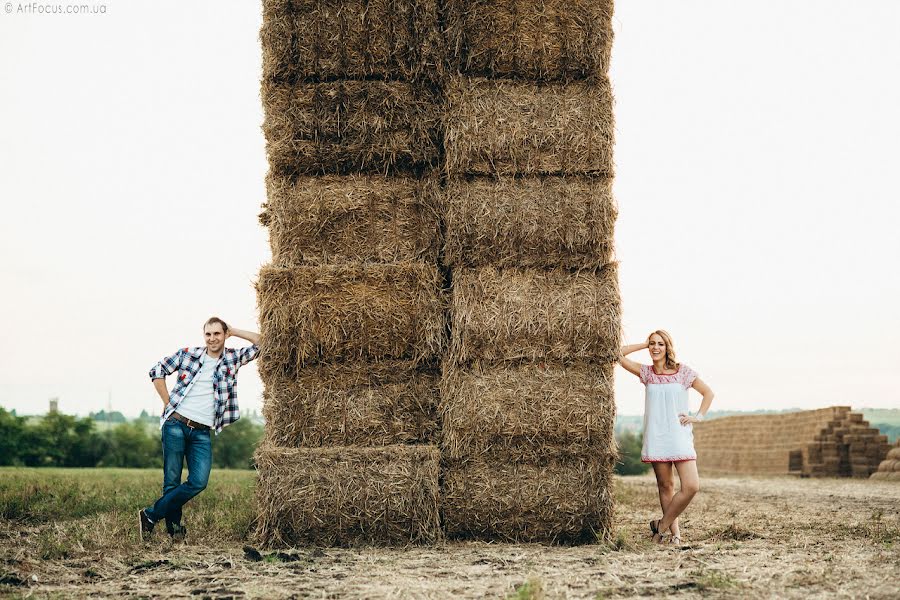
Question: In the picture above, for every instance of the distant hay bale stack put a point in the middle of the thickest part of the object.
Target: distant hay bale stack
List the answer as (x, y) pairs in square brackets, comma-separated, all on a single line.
[(831, 442), (528, 411), (552, 39), (557, 501), (355, 404), (312, 314), (347, 218), (351, 39), (348, 495), (516, 127), (529, 221), (535, 315), (350, 126)]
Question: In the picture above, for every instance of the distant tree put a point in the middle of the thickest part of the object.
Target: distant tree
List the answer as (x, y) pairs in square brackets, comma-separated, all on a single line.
[(234, 447), (108, 417), (629, 462), (12, 432), (129, 445)]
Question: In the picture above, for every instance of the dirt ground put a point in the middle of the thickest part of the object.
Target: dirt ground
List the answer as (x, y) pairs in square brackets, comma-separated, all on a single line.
[(748, 537)]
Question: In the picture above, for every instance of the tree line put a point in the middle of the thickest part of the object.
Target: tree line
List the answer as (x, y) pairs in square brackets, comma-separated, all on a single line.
[(59, 440)]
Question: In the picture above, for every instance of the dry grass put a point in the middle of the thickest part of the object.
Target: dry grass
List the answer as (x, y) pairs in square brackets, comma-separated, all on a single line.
[(349, 312), (352, 39), (348, 495), (509, 127), (345, 218), (535, 315), (540, 222), (349, 126), (526, 412), (356, 404), (747, 537), (547, 40)]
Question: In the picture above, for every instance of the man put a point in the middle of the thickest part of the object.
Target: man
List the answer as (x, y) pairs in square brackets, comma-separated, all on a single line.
[(204, 398)]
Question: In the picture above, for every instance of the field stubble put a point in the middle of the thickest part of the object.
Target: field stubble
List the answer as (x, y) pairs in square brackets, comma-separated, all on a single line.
[(71, 533)]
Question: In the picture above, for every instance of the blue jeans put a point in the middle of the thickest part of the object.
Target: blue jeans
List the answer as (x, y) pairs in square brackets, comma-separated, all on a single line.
[(179, 442)]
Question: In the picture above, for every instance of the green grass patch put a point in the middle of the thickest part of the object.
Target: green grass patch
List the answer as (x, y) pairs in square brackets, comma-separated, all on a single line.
[(532, 589), (74, 510)]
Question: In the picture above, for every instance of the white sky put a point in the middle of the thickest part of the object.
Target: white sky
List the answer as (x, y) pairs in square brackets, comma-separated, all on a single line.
[(756, 164)]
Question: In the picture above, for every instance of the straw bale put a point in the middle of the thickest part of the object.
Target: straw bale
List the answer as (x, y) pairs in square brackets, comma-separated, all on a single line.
[(551, 39), (349, 126), (352, 404), (345, 218), (523, 412), (544, 222), (887, 465), (311, 314), (894, 453), (507, 127), (556, 501), (348, 495), (350, 39), (535, 315)]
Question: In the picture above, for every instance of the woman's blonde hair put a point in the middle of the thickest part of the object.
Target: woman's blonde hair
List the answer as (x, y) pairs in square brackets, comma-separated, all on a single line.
[(671, 363)]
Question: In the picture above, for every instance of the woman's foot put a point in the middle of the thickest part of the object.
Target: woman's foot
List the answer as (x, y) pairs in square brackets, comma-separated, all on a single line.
[(675, 540), (654, 527)]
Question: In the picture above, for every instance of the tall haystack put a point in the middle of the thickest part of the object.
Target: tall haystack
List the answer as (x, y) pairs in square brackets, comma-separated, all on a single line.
[(352, 308), (414, 144), (526, 399), (828, 442)]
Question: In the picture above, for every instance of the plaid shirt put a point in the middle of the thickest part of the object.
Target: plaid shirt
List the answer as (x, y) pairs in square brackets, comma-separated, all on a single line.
[(187, 362)]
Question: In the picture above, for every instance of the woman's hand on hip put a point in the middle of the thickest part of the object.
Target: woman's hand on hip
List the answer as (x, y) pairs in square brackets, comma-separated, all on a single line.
[(685, 419)]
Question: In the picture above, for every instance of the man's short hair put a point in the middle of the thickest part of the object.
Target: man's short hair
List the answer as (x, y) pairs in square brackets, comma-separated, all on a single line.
[(213, 321)]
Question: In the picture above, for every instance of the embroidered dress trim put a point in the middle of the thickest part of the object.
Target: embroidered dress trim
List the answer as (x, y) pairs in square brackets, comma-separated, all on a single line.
[(684, 376), (652, 459)]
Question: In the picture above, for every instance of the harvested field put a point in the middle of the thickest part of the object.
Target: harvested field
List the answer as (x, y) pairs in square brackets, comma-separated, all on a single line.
[(348, 218), (535, 315), (512, 127), (525, 412), (542, 222), (349, 126), (349, 312), (348, 495), (548, 40), (351, 39), (748, 537), (555, 500), (352, 404)]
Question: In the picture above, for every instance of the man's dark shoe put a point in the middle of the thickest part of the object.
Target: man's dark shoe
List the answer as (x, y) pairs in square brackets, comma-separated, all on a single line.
[(145, 526), (177, 531)]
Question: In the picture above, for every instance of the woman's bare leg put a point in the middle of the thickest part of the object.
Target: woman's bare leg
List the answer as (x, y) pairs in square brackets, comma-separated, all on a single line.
[(665, 483), (690, 485)]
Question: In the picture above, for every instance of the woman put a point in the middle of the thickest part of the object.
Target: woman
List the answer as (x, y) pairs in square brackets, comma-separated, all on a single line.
[(668, 436)]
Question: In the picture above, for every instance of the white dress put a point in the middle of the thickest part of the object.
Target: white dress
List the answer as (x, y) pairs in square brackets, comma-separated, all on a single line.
[(665, 439)]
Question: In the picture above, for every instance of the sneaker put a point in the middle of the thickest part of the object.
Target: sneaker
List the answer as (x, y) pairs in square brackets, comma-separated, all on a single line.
[(145, 525), (177, 531)]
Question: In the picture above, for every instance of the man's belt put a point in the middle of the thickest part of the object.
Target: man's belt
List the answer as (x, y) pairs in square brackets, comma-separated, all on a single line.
[(188, 422)]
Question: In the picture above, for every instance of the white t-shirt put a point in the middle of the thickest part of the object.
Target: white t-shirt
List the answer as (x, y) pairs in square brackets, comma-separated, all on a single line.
[(198, 404)]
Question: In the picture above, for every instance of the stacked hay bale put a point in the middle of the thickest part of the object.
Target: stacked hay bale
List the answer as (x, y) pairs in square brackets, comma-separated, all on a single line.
[(351, 308), (847, 447), (526, 401), (889, 468), (828, 442)]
